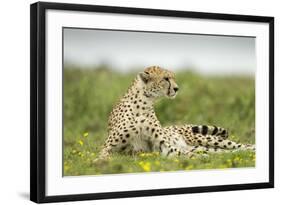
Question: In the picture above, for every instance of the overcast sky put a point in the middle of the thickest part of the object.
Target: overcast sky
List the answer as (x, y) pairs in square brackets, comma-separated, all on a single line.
[(125, 49)]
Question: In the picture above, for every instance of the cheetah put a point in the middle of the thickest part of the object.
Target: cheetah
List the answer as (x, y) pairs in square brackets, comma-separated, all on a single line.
[(133, 126)]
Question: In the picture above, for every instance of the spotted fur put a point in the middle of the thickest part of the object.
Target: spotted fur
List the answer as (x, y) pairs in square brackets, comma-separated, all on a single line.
[(133, 125)]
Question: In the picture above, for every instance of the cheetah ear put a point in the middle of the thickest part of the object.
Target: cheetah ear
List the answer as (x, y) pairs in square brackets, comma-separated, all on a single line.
[(144, 76)]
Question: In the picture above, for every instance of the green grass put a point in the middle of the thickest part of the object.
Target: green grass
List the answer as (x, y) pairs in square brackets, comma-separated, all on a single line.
[(90, 94)]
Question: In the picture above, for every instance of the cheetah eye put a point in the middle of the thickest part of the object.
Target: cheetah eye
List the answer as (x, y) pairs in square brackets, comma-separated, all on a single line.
[(166, 78)]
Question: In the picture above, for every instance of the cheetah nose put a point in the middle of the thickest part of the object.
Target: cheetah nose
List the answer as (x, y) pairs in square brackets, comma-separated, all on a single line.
[(176, 89)]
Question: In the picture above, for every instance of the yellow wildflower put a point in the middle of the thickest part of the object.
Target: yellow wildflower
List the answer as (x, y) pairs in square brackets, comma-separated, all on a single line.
[(142, 154), (86, 134), (81, 142), (145, 166)]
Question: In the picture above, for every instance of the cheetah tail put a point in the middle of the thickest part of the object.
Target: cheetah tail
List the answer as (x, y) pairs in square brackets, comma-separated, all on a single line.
[(210, 130)]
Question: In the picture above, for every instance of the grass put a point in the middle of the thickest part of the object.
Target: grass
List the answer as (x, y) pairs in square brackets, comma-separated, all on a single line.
[(90, 94)]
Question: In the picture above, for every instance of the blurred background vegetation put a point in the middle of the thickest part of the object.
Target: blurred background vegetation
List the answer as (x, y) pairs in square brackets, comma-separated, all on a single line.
[(89, 95)]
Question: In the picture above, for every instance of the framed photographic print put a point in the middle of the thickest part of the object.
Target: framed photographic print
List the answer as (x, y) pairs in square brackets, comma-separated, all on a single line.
[(129, 102)]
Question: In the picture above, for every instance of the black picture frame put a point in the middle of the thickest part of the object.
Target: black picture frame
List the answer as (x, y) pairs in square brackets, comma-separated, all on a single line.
[(38, 100)]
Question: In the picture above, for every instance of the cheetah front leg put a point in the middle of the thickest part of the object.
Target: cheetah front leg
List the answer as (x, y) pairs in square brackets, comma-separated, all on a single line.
[(105, 153), (116, 142)]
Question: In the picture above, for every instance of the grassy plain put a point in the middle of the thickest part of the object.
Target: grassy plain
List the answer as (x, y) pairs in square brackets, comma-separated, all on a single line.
[(226, 101)]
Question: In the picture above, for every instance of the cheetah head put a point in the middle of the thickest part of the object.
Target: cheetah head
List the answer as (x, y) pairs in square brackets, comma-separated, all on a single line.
[(158, 82)]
